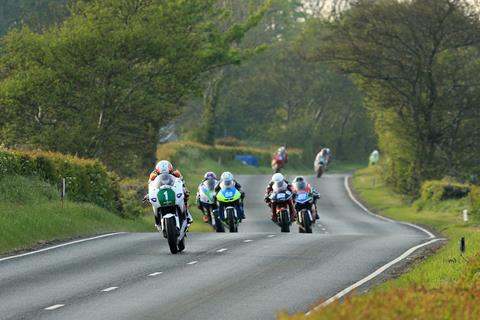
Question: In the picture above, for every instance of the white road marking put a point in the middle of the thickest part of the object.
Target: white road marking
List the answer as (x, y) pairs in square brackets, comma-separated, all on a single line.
[(54, 307), (154, 274), (384, 267), (192, 262), (350, 194), (372, 275), (247, 240), (270, 236), (222, 250), (109, 289), (60, 245)]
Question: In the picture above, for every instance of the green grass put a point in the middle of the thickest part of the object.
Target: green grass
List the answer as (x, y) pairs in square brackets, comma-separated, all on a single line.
[(446, 217), (31, 213), (443, 286)]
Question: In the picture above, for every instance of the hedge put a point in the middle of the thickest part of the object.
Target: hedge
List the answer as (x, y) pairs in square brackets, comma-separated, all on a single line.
[(475, 199), (177, 151), (438, 190), (86, 180)]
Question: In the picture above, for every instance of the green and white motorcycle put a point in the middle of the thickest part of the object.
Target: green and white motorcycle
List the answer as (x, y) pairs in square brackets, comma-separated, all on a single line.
[(167, 199)]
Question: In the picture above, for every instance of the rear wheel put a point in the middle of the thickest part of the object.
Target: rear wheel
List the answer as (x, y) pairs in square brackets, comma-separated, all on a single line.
[(218, 222), (171, 230), (285, 221)]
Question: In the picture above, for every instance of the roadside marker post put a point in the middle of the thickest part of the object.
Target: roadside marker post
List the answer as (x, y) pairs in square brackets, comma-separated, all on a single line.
[(462, 245), (465, 215), (62, 192)]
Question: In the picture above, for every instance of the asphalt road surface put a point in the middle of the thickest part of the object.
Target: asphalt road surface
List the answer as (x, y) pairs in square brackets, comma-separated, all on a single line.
[(250, 275)]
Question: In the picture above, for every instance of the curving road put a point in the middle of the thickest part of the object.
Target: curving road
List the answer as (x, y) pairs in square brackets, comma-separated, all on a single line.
[(249, 275)]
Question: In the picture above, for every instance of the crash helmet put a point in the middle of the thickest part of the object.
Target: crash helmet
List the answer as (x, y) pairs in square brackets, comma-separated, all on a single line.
[(299, 183), (210, 176), (164, 166), (227, 179)]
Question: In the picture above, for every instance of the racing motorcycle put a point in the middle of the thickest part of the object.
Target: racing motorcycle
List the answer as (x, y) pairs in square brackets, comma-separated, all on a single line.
[(278, 162), (206, 195), (320, 167), (304, 206), (280, 198), (166, 196), (229, 196)]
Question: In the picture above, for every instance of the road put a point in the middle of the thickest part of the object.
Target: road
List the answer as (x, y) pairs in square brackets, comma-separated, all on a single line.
[(249, 275)]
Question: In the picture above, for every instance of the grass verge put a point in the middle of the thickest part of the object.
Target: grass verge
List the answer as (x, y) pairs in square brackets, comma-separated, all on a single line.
[(443, 286), (32, 214)]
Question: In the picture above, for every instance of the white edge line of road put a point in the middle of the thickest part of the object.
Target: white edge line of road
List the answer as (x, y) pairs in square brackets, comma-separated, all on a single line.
[(350, 194), (380, 270), (60, 245), (372, 275)]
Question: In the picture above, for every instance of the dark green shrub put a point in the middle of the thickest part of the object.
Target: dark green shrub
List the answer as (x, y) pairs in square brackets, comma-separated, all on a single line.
[(86, 180), (438, 190)]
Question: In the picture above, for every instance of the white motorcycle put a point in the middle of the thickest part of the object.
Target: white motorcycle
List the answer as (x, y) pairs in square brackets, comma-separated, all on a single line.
[(206, 196), (166, 196)]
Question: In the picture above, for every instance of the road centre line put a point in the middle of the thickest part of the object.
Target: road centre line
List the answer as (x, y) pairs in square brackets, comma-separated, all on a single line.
[(192, 262), (54, 307), (222, 250), (60, 245), (154, 274), (247, 240), (270, 236), (109, 289)]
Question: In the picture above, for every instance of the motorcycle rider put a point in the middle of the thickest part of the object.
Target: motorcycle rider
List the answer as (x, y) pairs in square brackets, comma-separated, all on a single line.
[(279, 181), (301, 184), (163, 167), (209, 182), (228, 180)]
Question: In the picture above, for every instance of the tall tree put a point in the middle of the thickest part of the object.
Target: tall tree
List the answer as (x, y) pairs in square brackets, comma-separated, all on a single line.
[(102, 83), (418, 64)]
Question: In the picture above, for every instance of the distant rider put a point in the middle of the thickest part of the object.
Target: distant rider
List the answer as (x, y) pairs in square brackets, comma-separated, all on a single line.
[(165, 166), (323, 156), (300, 184), (227, 180), (209, 182), (281, 184)]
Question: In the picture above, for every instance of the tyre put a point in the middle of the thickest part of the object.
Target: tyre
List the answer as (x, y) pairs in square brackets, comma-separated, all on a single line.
[(307, 223), (232, 225), (285, 221), (218, 224), (319, 172), (171, 230)]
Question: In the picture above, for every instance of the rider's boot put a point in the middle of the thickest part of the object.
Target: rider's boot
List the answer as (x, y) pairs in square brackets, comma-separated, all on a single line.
[(189, 217)]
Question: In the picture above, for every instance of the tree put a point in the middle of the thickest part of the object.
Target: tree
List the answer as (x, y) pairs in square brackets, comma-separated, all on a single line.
[(418, 64), (102, 83)]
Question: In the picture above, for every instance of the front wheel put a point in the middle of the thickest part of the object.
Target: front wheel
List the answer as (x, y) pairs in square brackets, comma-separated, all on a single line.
[(232, 225), (307, 223), (171, 231), (181, 245), (285, 221)]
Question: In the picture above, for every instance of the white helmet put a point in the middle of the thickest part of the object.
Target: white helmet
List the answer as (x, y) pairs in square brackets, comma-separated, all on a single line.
[(164, 167), (227, 176), (277, 178)]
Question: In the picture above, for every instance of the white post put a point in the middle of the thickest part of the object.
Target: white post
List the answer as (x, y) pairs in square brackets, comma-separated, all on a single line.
[(465, 215), (63, 191)]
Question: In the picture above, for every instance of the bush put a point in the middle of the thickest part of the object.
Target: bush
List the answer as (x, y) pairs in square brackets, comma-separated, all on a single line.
[(86, 180), (475, 199), (445, 189), (180, 152)]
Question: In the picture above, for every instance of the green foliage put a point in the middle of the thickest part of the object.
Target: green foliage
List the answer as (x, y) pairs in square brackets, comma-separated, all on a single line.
[(31, 214), (475, 199), (439, 190), (86, 180), (103, 82), (417, 63)]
